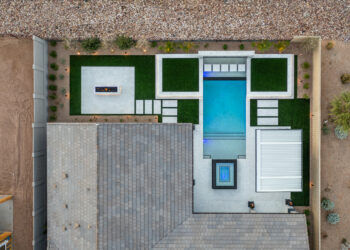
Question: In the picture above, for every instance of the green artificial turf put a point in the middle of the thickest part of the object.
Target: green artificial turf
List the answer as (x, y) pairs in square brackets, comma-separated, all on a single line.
[(180, 74), (296, 113), (188, 111), (144, 75), (295, 76), (253, 112), (269, 74)]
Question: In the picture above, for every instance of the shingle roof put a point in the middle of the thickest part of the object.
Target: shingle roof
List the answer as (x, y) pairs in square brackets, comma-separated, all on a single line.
[(129, 186)]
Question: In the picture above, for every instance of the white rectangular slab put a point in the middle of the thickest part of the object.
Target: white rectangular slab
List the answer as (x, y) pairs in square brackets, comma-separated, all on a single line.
[(267, 103), (148, 107), (169, 103), (169, 119), (139, 107), (216, 67), (267, 112), (264, 121), (241, 67), (207, 67), (170, 111), (233, 67), (157, 107), (224, 67)]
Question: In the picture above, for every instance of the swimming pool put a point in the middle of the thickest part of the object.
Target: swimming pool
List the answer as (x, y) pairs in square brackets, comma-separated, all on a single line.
[(224, 118)]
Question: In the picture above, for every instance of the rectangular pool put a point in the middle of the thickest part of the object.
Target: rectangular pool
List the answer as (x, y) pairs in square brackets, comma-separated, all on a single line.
[(224, 118)]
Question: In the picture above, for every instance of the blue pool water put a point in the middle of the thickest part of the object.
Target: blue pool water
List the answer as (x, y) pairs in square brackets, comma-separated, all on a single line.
[(224, 174), (224, 107)]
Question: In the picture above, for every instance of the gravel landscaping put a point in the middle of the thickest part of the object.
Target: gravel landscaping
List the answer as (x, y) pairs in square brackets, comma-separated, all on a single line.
[(176, 20)]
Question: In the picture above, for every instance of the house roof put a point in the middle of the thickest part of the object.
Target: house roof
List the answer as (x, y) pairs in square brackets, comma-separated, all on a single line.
[(129, 186)]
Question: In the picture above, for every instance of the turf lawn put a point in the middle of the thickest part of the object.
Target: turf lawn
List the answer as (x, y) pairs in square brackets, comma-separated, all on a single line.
[(180, 74), (188, 111)]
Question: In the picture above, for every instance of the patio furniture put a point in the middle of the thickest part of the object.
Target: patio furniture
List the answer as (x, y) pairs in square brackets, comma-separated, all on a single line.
[(107, 90)]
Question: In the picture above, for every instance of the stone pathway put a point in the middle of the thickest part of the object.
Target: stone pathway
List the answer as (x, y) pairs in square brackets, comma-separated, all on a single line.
[(267, 112)]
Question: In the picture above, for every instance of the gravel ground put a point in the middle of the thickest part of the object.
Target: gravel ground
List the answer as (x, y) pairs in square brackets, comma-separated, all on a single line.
[(176, 20)]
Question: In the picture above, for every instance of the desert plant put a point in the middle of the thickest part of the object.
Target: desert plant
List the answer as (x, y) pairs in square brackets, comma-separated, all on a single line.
[(53, 108), (333, 218), (52, 118), (306, 96), (187, 46), (281, 45), (63, 61), (262, 45), (345, 78), (61, 76), (305, 65), (54, 66), (325, 129), (121, 120), (91, 44), (52, 77), (307, 212), (53, 54), (63, 91), (52, 96), (224, 47), (307, 76), (61, 105), (340, 133), (53, 87), (330, 45), (154, 44), (53, 43), (327, 204), (340, 111), (310, 44), (344, 241), (142, 44), (124, 42), (206, 45), (308, 223), (306, 85), (168, 47), (241, 47)]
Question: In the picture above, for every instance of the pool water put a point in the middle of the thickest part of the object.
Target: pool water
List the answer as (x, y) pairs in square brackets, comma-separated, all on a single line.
[(224, 118)]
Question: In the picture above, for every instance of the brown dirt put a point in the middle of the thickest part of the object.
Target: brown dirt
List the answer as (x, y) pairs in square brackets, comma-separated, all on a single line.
[(335, 153), (16, 117)]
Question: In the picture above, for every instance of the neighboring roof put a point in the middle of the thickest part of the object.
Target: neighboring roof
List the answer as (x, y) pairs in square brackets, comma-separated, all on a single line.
[(278, 160), (132, 183)]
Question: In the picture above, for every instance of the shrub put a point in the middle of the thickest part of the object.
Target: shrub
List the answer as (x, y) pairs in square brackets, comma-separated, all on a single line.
[(52, 77), (308, 222), (91, 44), (333, 218), (154, 44), (187, 46), (241, 47), (63, 91), (142, 44), (281, 45), (340, 133), (54, 66), (53, 108), (63, 61), (345, 78), (168, 47), (124, 42), (340, 111), (52, 118), (52, 87), (306, 65), (52, 96), (61, 76), (262, 46), (206, 45), (53, 53), (306, 96), (307, 212), (325, 129), (53, 43), (224, 47), (61, 105), (307, 76), (327, 204), (344, 241), (306, 85), (330, 45)]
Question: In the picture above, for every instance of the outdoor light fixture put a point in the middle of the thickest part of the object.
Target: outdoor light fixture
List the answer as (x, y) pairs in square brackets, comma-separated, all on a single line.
[(78, 53), (289, 202), (144, 50), (251, 204)]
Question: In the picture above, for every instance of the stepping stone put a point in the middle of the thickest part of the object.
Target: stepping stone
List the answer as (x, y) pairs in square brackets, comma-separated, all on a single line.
[(169, 119), (224, 67), (267, 121), (207, 67), (241, 67), (267, 103), (157, 107), (216, 67), (267, 112), (169, 111), (233, 67), (169, 103), (139, 107), (148, 107)]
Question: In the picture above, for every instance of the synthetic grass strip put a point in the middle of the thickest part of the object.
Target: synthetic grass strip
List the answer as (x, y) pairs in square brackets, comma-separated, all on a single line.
[(296, 113), (188, 111), (295, 76), (269, 74), (180, 74), (253, 112), (144, 75)]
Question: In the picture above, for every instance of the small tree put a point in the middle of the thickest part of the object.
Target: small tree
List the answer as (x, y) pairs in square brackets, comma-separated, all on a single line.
[(124, 42), (281, 45), (333, 218), (340, 111), (327, 204), (168, 47), (262, 45), (91, 44)]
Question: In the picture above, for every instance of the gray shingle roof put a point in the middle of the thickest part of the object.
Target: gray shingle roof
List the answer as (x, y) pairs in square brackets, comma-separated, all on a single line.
[(129, 186)]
